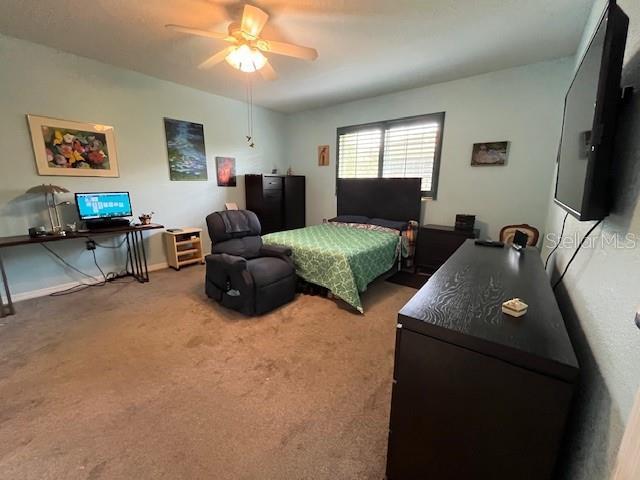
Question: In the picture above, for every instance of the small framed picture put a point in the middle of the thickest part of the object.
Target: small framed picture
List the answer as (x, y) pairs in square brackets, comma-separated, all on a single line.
[(323, 155), (226, 171), (73, 149), (489, 154)]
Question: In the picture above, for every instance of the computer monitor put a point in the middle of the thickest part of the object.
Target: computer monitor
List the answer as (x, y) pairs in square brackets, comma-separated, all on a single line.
[(103, 205)]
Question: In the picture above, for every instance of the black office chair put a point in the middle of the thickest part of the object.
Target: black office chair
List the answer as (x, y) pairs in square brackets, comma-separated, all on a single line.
[(242, 273)]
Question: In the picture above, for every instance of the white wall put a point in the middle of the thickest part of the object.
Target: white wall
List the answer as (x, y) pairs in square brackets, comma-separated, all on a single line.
[(39, 80), (522, 105), (601, 291)]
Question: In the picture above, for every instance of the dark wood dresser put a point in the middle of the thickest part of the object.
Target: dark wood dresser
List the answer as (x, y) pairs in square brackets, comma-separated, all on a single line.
[(277, 200), (478, 394), (436, 243)]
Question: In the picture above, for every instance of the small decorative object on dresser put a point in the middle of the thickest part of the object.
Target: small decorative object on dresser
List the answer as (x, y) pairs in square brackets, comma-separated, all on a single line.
[(73, 149), (514, 307), (487, 154), (183, 246), (436, 243), (323, 155)]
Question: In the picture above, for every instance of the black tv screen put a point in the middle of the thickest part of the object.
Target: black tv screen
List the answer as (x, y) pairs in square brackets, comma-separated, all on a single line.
[(588, 129)]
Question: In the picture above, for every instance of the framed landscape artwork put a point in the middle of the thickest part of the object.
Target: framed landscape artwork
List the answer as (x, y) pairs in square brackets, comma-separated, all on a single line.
[(226, 171), (74, 149), (488, 154), (185, 149)]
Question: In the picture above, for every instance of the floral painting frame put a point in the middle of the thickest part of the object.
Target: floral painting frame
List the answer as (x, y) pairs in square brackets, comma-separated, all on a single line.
[(73, 149)]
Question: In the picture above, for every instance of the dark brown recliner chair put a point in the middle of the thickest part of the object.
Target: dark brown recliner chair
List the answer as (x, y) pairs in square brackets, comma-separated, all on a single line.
[(242, 273)]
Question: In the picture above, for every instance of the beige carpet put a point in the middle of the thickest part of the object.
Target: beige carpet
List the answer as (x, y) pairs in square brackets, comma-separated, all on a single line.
[(155, 381)]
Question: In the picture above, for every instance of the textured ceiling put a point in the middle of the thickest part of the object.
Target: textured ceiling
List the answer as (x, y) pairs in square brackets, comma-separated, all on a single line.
[(366, 47)]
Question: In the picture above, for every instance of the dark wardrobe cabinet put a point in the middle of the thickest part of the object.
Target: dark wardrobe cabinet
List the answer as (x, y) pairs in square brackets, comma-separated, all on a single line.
[(277, 200)]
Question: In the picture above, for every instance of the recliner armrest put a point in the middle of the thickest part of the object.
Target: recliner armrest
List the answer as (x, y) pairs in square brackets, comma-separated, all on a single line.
[(230, 262), (275, 251)]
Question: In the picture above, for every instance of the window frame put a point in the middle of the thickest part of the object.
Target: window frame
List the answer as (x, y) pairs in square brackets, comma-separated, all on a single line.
[(399, 122)]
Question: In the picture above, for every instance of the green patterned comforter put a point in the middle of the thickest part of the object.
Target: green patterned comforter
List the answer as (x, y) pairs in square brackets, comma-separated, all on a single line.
[(341, 258)]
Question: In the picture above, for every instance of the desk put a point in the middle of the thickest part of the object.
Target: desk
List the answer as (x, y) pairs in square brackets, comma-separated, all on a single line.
[(136, 254)]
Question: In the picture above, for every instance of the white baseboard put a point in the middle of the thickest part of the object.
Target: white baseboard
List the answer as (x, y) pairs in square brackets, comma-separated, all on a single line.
[(43, 292)]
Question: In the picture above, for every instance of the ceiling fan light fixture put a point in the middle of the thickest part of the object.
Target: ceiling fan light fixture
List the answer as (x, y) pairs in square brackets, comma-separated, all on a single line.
[(246, 59)]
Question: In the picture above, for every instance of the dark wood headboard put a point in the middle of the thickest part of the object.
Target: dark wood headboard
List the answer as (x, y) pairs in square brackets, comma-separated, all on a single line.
[(389, 198)]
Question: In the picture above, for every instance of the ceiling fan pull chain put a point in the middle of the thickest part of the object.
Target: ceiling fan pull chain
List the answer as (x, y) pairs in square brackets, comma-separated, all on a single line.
[(246, 101), (249, 98), (252, 144), (247, 87)]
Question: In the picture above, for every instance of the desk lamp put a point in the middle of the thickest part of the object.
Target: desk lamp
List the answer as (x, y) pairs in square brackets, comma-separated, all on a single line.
[(49, 192)]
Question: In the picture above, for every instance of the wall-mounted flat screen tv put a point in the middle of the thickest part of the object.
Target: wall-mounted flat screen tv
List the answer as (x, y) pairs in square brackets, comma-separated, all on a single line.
[(583, 185)]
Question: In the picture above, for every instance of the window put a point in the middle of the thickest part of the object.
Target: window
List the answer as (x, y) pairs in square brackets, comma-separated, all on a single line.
[(408, 147)]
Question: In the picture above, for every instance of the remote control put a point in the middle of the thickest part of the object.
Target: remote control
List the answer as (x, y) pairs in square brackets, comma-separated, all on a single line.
[(489, 243)]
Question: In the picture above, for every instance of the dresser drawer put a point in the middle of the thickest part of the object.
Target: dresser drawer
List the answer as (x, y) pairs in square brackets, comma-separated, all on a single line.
[(272, 183), (272, 197)]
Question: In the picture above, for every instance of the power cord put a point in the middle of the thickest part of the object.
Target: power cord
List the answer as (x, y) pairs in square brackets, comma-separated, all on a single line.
[(95, 260), (564, 222), (555, 285), (67, 264), (110, 277)]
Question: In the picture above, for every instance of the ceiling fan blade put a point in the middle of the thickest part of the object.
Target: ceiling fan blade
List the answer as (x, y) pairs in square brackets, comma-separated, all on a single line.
[(288, 49), (253, 20), (198, 32), (267, 72), (215, 59)]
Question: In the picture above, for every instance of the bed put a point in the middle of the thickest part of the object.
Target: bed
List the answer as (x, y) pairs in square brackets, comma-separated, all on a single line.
[(342, 257), (345, 257)]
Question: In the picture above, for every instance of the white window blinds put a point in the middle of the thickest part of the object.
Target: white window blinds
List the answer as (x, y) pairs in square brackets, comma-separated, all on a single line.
[(410, 152), (359, 154), (406, 148)]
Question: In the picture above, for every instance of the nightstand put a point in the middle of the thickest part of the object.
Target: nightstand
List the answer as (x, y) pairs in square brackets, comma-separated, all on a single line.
[(183, 247), (436, 243)]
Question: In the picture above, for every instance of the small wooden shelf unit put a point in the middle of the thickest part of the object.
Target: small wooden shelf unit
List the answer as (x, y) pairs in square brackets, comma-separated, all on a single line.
[(184, 247)]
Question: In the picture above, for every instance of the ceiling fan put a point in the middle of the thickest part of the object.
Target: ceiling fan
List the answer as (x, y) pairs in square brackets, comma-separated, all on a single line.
[(246, 52)]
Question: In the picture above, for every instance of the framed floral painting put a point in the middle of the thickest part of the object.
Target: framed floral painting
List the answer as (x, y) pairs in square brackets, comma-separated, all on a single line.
[(73, 149)]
